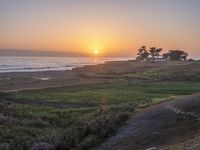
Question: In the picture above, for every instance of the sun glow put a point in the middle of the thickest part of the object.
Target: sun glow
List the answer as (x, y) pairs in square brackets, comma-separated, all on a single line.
[(96, 51)]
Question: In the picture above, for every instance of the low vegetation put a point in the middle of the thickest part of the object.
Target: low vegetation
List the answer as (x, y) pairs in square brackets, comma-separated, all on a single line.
[(26, 126), (109, 93), (37, 119), (79, 128)]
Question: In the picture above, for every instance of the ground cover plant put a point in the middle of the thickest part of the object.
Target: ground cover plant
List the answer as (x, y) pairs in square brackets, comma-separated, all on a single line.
[(27, 125), (111, 93)]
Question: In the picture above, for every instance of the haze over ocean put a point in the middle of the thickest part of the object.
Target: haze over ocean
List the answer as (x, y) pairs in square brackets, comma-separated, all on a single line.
[(35, 64)]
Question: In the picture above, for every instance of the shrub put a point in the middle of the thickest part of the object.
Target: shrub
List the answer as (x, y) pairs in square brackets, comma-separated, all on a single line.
[(90, 131)]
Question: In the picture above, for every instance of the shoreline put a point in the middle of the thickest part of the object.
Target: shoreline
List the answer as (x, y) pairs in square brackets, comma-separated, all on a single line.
[(42, 64)]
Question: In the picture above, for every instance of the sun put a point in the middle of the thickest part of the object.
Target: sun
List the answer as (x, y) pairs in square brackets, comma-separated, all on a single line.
[(96, 51)]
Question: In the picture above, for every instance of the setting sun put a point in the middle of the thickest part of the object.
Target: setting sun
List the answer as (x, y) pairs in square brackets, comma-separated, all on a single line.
[(96, 52)]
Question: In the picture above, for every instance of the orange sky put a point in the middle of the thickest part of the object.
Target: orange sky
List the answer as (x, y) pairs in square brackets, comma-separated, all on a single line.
[(113, 28)]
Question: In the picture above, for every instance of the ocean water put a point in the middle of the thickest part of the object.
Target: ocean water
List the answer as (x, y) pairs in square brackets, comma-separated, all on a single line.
[(33, 64)]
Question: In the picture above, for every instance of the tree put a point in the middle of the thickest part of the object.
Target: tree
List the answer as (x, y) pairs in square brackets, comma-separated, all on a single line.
[(177, 55), (155, 52), (166, 55), (142, 53)]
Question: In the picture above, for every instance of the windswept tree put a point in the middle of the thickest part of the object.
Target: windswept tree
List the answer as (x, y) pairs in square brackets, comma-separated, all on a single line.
[(166, 55), (142, 53), (155, 52), (177, 55)]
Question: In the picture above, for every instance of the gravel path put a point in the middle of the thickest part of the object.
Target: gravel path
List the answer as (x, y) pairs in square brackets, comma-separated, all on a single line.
[(158, 125)]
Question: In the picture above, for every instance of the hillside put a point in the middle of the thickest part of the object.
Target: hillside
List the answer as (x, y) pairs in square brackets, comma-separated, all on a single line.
[(80, 109)]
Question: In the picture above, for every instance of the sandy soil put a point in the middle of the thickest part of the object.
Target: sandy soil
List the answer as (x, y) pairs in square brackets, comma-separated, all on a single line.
[(39, 80), (157, 126)]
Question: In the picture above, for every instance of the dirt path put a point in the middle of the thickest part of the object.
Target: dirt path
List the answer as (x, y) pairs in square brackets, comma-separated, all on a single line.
[(157, 126)]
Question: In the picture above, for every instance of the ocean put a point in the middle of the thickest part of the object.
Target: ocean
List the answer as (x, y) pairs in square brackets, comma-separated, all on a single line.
[(34, 64)]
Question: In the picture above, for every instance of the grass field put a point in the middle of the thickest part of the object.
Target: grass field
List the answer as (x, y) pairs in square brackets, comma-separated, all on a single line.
[(109, 93), (36, 124), (29, 119)]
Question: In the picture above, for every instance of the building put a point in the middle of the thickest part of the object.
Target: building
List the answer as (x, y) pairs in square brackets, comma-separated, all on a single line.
[(157, 59)]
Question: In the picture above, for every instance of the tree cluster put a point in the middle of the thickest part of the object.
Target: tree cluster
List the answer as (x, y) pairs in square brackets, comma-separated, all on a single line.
[(176, 55), (153, 52)]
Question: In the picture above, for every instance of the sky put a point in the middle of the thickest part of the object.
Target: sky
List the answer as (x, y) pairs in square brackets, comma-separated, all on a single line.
[(111, 27)]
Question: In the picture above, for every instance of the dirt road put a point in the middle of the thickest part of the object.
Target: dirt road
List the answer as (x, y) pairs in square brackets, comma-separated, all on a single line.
[(158, 125)]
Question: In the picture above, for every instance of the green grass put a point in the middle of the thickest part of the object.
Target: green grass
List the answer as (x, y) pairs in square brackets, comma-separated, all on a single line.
[(80, 128), (184, 72), (111, 94), (56, 117), (25, 124), (150, 74)]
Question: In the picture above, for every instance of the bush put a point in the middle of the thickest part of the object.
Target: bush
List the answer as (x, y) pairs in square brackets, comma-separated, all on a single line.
[(89, 132), (88, 142)]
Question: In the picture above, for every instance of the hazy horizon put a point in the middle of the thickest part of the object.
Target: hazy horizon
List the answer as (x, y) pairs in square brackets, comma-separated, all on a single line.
[(49, 53), (46, 53), (111, 28)]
